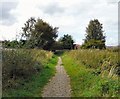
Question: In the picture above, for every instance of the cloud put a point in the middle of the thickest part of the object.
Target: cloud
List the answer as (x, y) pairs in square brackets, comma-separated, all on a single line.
[(72, 17), (52, 9), (6, 16)]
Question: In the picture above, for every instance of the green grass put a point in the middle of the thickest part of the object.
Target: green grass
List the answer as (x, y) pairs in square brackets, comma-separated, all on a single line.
[(21, 64), (34, 86), (84, 81)]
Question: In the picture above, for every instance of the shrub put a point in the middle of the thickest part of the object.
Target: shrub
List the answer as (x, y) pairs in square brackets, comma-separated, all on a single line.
[(21, 64)]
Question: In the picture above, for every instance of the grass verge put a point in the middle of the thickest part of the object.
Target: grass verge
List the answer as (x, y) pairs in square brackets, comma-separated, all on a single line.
[(85, 83), (34, 87)]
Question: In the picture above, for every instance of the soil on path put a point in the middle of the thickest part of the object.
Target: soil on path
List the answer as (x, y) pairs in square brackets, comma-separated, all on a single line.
[(59, 85)]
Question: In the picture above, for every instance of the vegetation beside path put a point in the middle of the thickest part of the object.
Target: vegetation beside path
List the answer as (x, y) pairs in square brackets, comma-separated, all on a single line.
[(89, 77), (35, 68)]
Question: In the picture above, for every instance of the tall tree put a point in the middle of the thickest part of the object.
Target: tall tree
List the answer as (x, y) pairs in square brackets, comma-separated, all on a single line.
[(67, 41), (94, 35), (45, 34), (39, 34), (28, 28)]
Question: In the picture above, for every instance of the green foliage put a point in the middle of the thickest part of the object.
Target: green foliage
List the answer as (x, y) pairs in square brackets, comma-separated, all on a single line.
[(33, 87), (21, 65), (94, 35), (88, 78), (39, 34), (22, 44), (67, 41), (96, 58), (94, 44), (10, 44), (57, 46)]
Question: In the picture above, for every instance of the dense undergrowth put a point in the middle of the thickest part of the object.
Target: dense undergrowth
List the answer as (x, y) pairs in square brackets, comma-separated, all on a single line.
[(25, 72), (93, 73)]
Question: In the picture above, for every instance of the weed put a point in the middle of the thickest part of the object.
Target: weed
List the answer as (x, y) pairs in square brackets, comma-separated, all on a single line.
[(89, 73), (24, 72)]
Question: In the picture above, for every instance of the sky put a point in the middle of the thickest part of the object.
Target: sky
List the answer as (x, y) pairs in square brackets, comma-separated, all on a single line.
[(71, 16)]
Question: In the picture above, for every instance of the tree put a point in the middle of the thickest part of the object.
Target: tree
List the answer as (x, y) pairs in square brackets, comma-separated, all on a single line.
[(94, 35), (28, 28), (14, 44), (67, 41), (10, 44), (6, 44), (27, 33), (22, 43), (45, 34), (39, 34), (57, 46)]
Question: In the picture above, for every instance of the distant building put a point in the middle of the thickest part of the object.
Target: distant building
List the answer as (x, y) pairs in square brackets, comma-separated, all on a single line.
[(76, 46)]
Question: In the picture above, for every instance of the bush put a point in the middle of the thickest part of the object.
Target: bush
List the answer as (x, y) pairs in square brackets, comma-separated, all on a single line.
[(21, 65)]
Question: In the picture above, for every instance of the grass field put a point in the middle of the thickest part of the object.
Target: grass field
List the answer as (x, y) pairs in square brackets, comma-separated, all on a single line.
[(92, 73), (25, 72)]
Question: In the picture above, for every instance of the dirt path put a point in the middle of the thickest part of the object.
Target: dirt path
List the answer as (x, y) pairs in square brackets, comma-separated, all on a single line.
[(59, 85)]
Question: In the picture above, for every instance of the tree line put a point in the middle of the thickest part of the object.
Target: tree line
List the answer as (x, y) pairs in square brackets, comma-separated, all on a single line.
[(37, 33)]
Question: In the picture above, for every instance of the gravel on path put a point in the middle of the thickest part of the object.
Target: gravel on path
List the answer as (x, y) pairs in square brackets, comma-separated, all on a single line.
[(59, 85)]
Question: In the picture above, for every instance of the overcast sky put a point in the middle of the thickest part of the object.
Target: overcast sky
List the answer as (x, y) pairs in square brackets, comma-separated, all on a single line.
[(71, 16)]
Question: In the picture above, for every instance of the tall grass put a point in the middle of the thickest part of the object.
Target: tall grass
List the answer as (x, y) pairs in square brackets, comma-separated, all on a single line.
[(102, 60), (19, 65), (33, 87), (93, 73)]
